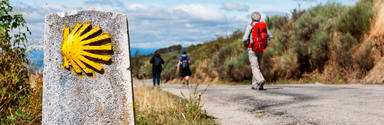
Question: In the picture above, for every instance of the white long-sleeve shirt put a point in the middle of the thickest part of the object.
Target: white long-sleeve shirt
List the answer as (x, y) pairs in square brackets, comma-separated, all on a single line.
[(248, 32)]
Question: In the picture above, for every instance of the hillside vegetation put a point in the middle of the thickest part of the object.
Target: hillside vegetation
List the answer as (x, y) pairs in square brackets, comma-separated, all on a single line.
[(328, 43), (20, 101), (154, 106)]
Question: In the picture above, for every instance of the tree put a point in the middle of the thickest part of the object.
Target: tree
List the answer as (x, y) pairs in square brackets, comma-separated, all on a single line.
[(15, 91)]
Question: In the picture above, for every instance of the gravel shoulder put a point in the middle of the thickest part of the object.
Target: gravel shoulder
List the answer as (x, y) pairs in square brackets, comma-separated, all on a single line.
[(316, 104)]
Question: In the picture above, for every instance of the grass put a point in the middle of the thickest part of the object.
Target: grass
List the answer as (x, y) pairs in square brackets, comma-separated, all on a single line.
[(29, 114), (154, 106), (36, 82)]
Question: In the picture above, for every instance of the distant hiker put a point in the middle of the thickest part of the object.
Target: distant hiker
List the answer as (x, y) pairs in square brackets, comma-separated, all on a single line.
[(183, 67), (256, 38), (139, 76), (156, 62)]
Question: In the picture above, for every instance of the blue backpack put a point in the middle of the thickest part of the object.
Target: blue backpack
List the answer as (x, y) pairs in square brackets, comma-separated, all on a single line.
[(184, 62)]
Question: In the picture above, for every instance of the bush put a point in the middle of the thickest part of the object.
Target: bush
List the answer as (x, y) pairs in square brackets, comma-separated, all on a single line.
[(318, 48), (363, 59), (276, 22), (15, 91), (279, 44), (296, 14), (170, 66), (312, 35), (267, 64), (303, 27), (356, 20), (237, 69), (343, 51), (290, 65), (224, 52)]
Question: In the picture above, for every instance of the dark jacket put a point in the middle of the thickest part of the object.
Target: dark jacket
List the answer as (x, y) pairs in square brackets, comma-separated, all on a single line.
[(156, 62)]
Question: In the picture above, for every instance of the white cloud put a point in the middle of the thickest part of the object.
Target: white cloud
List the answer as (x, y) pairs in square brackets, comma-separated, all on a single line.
[(275, 13), (154, 25), (188, 25), (112, 3), (228, 6), (133, 7), (150, 26), (200, 12)]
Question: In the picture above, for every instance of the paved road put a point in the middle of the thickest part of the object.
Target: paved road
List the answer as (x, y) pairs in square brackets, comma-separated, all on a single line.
[(292, 104)]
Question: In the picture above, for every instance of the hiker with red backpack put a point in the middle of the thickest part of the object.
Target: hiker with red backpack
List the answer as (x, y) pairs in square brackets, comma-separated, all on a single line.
[(156, 62), (256, 38), (183, 67)]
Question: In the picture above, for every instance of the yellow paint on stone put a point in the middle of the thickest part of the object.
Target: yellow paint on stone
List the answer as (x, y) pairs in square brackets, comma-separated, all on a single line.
[(76, 48)]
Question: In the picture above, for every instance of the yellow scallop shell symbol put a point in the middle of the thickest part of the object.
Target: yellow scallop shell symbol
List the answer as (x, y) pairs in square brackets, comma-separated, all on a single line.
[(80, 51)]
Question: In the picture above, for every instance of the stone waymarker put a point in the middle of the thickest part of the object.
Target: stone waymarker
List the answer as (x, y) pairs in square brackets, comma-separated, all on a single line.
[(87, 78)]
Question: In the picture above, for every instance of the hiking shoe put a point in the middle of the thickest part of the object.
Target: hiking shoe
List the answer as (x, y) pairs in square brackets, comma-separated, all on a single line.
[(261, 86)]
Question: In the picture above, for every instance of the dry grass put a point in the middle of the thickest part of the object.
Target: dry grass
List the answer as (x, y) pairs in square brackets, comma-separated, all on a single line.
[(36, 82), (154, 106), (378, 26), (375, 76), (30, 114)]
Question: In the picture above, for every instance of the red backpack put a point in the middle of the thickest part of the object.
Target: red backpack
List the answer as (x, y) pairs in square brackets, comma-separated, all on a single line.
[(259, 37)]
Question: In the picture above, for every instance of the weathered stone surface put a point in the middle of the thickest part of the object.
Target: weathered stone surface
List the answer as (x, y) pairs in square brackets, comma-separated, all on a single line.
[(105, 98)]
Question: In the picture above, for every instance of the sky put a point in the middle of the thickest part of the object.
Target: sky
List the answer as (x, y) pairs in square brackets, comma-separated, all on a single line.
[(162, 23)]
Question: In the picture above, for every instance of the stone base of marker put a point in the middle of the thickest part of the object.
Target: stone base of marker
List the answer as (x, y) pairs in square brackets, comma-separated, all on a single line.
[(106, 97)]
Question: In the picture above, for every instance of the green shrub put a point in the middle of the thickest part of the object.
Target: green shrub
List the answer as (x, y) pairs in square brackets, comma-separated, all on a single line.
[(224, 52), (299, 48), (290, 65), (343, 51), (280, 44), (319, 48), (356, 20), (15, 91), (363, 59), (170, 66), (312, 35), (320, 17), (276, 22), (303, 27), (296, 14), (267, 64), (236, 68)]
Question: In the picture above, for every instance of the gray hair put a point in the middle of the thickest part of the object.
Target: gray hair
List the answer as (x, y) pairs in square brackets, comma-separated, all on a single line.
[(256, 16)]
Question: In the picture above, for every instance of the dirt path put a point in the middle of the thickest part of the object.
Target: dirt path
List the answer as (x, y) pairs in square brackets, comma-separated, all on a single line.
[(292, 104)]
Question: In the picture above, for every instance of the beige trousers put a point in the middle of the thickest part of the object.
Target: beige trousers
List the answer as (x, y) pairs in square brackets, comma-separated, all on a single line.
[(255, 60)]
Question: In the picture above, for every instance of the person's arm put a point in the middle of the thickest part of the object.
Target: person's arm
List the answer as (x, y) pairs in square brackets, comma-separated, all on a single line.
[(189, 60), (247, 32), (151, 61), (161, 60), (178, 66)]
